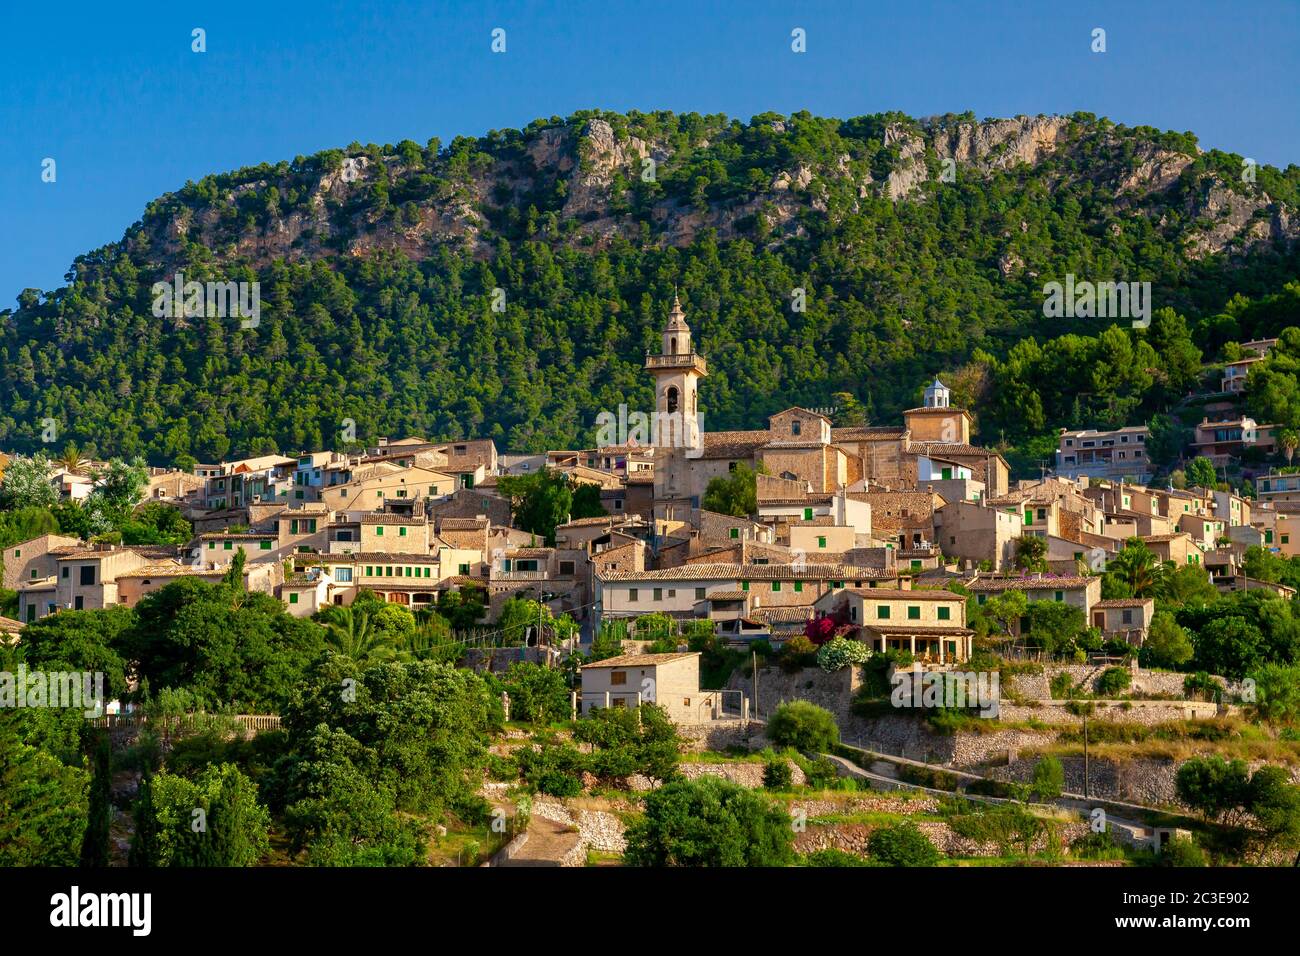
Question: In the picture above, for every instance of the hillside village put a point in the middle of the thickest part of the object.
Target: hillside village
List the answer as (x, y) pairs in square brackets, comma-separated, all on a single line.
[(908, 506), (905, 549)]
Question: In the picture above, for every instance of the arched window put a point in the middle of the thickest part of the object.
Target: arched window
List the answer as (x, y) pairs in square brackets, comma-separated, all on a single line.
[(672, 399), (672, 345)]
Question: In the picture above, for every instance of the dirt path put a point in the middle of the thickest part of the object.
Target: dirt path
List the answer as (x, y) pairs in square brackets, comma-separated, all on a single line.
[(548, 843)]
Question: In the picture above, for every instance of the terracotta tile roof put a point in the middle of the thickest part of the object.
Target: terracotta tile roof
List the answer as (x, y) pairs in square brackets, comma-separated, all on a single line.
[(379, 557), (855, 432), (1124, 602), (769, 615), (641, 660), (386, 517), (463, 524), (753, 572), (739, 444), (899, 594), (890, 630), (588, 522), (955, 448), (1030, 584), (9, 626), (464, 540)]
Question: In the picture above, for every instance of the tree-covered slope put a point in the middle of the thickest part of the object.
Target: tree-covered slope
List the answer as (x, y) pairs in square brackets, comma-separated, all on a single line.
[(378, 267)]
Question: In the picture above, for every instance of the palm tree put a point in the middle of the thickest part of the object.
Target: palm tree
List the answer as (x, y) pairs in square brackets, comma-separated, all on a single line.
[(350, 634), (1139, 568), (71, 460), (1289, 441)]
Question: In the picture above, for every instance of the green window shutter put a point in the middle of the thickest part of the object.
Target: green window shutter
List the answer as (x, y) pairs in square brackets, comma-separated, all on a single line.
[(798, 587), (401, 532), (916, 564), (821, 542), (882, 612), (265, 546), (370, 570), (229, 545), (293, 598), (776, 585), (211, 545), (1058, 596), (735, 532), (744, 585), (807, 514), (913, 613), (945, 613), (379, 531)]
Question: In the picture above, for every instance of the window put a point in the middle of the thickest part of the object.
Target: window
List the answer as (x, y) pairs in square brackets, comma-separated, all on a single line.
[(388, 572), (776, 585), (228, 545), (462, 569), (853, 613), (913, 612), (293, 598), (672, 593), (659, 594), (370, 570), (981, 599), (796, 427), (1128, 617), (837, 584), (944, 613), (882, 612), (79, 603), (699, 594), (821, 541), (87, 572), (33, 574), (618, 678), (744, 585), (631, 595), (401, 532), (916, 564), (566, 568), (1058, 595), (798, 587), (735, 532), (265, 545), (686, 702), (807, 514), (379, 531)]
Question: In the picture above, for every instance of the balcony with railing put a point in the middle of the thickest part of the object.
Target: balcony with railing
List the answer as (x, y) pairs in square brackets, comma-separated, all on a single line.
[(693, 360)]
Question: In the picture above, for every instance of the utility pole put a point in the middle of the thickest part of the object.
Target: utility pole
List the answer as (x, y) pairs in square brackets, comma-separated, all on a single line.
[(1085, 755), (754, 657)]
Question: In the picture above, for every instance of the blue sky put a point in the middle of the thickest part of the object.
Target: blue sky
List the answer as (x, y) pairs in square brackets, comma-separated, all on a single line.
[(118, 99)]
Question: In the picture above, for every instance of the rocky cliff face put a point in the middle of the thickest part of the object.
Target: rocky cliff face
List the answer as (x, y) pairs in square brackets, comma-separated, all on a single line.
[(579, 176)]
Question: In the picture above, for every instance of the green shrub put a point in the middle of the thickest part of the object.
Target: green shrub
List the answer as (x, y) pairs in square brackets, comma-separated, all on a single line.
[(1049, 779), (804, 726), (1113, 680), (832, 857), (777, 774), (1062, 686), (1181, 852), (902, 844), (841, 652)]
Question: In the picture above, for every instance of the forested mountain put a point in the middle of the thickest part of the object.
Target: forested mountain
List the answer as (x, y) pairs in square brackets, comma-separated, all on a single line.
[(921, 246)]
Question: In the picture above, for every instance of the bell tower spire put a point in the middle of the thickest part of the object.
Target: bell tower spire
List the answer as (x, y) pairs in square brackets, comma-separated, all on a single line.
[(677, 370)]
